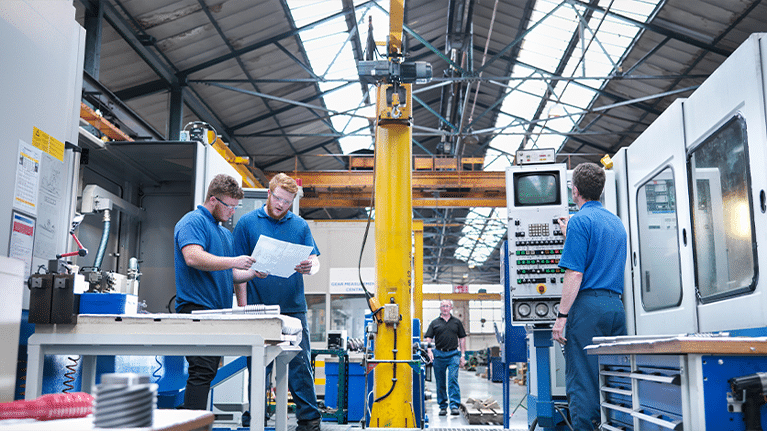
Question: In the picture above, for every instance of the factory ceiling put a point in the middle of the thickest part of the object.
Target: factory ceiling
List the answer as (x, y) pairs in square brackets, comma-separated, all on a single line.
[(277, 80)]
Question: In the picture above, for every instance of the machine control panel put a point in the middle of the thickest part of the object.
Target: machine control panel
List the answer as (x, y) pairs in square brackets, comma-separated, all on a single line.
[(537, 198), (536, 156)]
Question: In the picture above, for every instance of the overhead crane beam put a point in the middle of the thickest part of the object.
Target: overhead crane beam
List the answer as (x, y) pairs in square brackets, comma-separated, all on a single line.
[(430, 189)]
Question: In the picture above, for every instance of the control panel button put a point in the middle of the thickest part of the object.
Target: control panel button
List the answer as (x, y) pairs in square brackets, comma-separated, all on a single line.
[(541, 310), (524, 310)]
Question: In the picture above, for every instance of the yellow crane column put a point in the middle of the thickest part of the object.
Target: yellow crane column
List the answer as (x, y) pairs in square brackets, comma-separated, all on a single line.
[(393, 391)]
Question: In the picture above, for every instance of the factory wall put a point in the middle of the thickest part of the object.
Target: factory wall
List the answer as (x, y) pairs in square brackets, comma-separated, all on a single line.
[(42, 57), (337, 306)]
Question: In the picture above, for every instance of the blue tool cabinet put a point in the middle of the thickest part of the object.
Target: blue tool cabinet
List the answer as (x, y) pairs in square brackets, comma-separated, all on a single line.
[(678, 383)]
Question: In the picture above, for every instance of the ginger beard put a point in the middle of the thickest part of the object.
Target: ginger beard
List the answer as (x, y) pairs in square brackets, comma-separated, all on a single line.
[(276, 208)]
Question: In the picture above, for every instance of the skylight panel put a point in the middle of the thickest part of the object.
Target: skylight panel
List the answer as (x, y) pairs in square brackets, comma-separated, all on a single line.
[(331, 57), (521, 105), (634, 9), (575, 95), (484, 228), (550, 39), (496, 160), (506, 143), (307, 11)]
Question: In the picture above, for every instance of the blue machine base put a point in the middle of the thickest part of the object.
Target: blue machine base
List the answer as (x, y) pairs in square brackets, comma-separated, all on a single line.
[(554, 422)]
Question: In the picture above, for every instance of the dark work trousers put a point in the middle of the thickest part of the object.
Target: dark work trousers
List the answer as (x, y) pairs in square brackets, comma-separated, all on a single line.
[(595, 313), (202, 371)]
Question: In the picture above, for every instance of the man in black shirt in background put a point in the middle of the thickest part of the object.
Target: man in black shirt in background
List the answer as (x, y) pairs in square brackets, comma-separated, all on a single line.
[(448, 354)]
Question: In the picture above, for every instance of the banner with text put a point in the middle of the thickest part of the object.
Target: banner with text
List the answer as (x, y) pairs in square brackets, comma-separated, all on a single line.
[(347, 280)]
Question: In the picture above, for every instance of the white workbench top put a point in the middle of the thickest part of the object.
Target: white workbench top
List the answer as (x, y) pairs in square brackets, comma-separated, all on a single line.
[(164, 420), (273, 327)]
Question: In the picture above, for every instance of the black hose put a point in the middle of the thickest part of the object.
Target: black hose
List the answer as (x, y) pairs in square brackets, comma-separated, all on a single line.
[(368, 295), (394, 372)]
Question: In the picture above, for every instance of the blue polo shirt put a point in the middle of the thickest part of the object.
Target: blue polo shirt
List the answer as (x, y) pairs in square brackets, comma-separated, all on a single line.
[(288, 293), (210, 289), (596, 246)]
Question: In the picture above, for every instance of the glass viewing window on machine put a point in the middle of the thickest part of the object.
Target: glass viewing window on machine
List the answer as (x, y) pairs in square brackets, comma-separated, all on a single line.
[(661, 279), (722, 213)]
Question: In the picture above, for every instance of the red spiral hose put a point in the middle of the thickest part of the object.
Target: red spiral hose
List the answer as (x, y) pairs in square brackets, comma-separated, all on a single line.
[(50, 406)]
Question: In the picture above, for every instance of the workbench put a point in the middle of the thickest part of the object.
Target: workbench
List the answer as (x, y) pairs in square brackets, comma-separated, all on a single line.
[(265, 338), (674, 383), (164, 420)]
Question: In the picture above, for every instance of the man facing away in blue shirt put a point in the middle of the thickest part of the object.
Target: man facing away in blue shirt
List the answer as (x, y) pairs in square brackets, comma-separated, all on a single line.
[(275, 220), (594, 258)]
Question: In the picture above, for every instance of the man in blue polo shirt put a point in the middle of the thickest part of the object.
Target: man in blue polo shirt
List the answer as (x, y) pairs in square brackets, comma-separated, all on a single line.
[(275, 220), (594, 257), (206, 270)]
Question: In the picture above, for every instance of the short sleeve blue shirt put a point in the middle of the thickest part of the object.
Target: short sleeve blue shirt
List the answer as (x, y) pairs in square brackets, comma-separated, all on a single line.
[(596, 247), (288, 293), (210, 289)]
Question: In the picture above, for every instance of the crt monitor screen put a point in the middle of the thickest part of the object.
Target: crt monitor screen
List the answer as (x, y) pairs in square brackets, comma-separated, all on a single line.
[(538, 188)]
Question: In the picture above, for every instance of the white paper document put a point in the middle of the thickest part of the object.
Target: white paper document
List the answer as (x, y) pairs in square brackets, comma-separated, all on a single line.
[(277, 257)]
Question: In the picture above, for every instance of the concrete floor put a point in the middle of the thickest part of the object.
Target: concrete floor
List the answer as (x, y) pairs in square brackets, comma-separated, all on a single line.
[(472, 386)]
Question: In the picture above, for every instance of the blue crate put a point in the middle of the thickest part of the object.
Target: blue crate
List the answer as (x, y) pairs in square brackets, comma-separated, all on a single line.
[(107, 303), (356, 391)]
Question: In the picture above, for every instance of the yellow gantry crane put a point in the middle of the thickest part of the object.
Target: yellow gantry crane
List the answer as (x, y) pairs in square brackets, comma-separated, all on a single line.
[(393, 390)]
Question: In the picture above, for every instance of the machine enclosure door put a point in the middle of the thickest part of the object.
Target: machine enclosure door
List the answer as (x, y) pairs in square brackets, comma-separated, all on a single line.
[(734, 92), (661, 254)]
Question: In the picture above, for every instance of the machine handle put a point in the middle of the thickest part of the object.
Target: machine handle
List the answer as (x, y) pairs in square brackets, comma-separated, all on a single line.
[(608, 389), (614, 373), (675, 425), (672, 380), (618, 408)]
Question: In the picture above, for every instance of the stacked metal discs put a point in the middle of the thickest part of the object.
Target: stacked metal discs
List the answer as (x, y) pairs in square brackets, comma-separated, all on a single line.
[(124, 400)]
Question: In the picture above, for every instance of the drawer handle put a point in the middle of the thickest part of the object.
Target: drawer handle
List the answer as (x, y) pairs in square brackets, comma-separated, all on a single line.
[(626, 392), (675, 425), (614, 373), (618, 408), (672, 380)]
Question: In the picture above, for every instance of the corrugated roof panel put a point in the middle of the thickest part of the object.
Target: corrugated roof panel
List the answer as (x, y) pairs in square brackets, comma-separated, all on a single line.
[(187, 39)]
